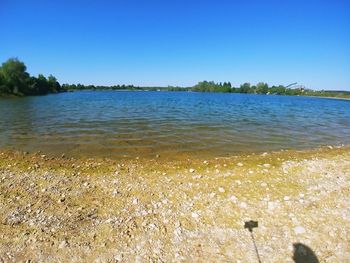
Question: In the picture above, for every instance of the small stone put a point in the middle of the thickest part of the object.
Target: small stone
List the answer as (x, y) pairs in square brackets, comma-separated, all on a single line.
[(263, 184), (135, 201), (233, 198), (240, 164), (63, 244), (221, 190), (192, 170), (271, 205), (118, 258), (286, 198), (195, 215), (299, 230), (243, 205)]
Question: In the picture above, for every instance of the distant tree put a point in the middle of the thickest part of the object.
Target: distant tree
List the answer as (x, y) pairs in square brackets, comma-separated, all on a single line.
[(262, 88), (245, 88), (278, 90), (15, 76), (3, 86), (53, 84)]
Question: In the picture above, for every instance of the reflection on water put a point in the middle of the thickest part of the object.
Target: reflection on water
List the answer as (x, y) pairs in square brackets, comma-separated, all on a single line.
[(148, 123)]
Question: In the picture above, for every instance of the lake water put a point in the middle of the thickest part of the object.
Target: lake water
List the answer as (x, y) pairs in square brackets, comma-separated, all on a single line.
[(130, 124)]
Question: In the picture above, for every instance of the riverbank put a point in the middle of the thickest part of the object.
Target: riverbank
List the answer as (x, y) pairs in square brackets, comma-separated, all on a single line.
[(102, 210)]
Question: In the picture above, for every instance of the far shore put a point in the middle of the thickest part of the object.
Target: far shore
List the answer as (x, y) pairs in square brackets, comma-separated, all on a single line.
[(334, 98)]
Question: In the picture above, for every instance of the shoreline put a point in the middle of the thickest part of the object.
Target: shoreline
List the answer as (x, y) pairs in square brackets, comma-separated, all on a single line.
[(335, 98), (95, 209), (10, 96)]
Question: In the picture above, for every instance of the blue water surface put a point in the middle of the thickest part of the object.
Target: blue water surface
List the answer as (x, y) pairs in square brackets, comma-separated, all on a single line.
[(110, 123)]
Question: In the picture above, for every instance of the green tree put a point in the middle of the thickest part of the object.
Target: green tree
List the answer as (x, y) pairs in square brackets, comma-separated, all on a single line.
[(15, 76), (262, 88), (245, 88), (53, 84), (3, 86)]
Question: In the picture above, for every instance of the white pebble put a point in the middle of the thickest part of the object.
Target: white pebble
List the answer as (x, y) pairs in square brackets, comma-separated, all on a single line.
[(195, 215), (243, 205), (299, 230)]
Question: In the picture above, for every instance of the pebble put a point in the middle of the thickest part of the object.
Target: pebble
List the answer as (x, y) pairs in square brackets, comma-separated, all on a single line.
[(233, 198), (286, 198), (192, 170), (299, 230), (63, 244), (135, 201), (240, 164), (271, 205), (195, 215), (118, 258), (243, 205), (221, 190)]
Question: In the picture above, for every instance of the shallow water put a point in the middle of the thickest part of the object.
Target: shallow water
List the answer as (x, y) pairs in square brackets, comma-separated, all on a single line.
[(115, 124)]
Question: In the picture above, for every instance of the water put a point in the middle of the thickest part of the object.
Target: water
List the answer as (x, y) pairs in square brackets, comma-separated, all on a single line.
[(130, 124)]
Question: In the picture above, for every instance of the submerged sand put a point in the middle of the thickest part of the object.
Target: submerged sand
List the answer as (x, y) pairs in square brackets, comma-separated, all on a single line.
[(160, 210)]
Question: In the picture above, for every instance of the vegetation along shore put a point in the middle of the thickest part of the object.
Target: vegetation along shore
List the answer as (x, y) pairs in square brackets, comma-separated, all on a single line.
[(192, 210), (15, 81)]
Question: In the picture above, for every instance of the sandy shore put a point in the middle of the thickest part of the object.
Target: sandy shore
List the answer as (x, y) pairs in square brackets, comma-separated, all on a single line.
[(91, 210)]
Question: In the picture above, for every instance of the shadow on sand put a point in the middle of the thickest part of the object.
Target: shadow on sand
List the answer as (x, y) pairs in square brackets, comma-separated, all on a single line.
[(301, 253)]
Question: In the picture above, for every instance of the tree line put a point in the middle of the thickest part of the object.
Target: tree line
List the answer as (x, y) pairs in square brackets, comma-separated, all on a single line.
[(246, 88), (14, 80), (264, 88)]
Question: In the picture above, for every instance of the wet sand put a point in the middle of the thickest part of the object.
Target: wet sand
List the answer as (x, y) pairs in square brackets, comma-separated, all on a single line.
[(181, 210)]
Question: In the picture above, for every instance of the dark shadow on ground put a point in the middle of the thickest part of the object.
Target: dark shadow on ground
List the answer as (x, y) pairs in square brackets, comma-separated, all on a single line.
[(303, 254)]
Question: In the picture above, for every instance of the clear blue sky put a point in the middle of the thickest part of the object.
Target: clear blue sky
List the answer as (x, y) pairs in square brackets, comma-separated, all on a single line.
[(181, 42)]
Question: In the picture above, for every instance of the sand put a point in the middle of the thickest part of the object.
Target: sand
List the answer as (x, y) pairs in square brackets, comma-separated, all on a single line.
[(161, 210)]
